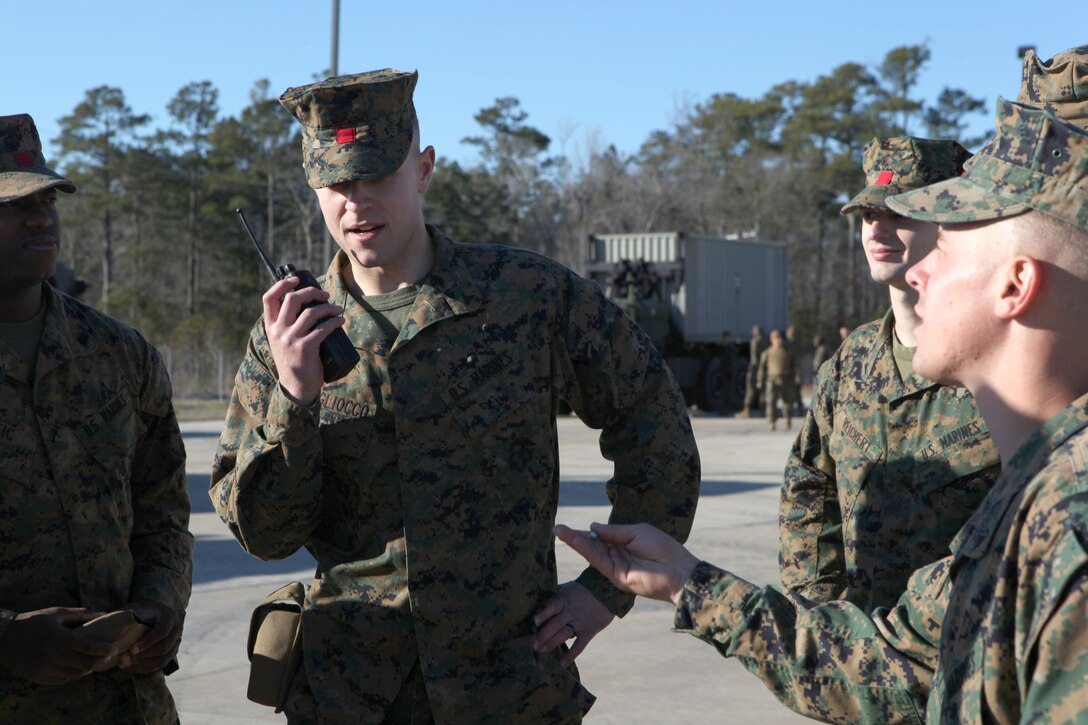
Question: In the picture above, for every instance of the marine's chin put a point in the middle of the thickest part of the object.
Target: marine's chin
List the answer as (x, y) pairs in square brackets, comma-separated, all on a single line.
[(933, 371)]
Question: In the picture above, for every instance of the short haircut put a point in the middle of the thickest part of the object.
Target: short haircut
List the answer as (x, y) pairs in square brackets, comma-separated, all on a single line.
[(1054, 240)]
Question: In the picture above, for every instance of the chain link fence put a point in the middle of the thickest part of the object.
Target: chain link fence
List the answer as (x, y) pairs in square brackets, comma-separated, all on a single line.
[(201, 374)]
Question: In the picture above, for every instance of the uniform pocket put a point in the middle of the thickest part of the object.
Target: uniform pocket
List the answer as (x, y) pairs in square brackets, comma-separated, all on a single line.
[(494, 400), (856, 457), (962, 457), (19, 448), (109, 433), (531, 687)]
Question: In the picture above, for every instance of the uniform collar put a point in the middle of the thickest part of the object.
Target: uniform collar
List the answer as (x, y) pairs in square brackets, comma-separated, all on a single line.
[(880, 365), (63, 338), (448, 290), (977, 534)]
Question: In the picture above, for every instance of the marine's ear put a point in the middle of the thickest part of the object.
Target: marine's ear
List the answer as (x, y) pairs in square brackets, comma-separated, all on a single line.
[(425, 168), (1021, 280)]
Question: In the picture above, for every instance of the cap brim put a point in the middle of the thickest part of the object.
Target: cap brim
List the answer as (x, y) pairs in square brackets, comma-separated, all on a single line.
[(871, 197), (24, 182), (955, 201), (364, 160)]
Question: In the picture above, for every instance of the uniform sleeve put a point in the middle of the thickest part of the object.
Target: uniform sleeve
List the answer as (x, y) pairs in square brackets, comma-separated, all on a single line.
[(616, 381), (160, 542), (811, 555), (1053, 672), (829, 661), (266, 478)]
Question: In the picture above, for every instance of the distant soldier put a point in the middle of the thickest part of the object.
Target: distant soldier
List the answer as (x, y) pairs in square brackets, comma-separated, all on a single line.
[(794, 349), (887, 465), (819, 354), (751, 390), (995, 631), (728, 368), (776, 377)]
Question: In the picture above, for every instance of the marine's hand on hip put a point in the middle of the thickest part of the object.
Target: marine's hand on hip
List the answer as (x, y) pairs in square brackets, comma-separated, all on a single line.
[(574, 613)]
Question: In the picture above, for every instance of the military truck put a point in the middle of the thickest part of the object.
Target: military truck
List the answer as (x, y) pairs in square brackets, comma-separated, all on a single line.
[(684, 290)]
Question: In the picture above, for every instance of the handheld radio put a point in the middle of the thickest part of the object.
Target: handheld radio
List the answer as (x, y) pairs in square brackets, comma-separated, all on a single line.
[(338, 355)]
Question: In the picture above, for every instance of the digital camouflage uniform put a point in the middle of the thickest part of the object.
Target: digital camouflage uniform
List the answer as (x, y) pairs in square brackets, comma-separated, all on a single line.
[(998, 631), (884, 471), (1060, 85), (355, 126), (426, 482), (994, 633), (882, 475), (1035, 162), (23, 170), (898, 164), (96, 506)]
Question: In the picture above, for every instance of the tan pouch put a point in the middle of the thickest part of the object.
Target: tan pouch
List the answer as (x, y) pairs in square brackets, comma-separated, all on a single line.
[(275, 645), (121, 628)]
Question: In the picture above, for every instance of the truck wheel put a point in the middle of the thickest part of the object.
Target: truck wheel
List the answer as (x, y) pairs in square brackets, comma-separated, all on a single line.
[(740, 382), (712, 397)]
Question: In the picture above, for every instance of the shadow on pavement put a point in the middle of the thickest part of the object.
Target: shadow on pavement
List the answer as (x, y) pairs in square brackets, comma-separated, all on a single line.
[(199, 434), (216, 559), (223, 558), (198, 492), (728, 488), (591, 493), (571, 493)]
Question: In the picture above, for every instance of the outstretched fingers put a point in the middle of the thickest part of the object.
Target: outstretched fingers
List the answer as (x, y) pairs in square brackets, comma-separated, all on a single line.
[(589, 547), (604, 551)]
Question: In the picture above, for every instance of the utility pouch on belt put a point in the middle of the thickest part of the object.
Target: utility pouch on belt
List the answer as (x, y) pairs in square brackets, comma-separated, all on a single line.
[(275, 645)]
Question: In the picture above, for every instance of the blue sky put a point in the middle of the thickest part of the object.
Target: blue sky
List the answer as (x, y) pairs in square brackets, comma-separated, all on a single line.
[(589, 72)]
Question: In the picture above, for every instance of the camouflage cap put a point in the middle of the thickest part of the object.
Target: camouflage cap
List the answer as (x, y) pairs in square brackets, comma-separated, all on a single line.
[(895, 165), (1036, 161), (354, 127), (22, 164), (1059, 85)]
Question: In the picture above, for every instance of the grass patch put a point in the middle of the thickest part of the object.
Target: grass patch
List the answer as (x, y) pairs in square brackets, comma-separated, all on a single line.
[(190, 409)]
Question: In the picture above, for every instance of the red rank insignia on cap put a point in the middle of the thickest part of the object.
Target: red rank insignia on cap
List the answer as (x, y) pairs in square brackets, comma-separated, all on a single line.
[(345, 135), (884, 178), (23, 159)]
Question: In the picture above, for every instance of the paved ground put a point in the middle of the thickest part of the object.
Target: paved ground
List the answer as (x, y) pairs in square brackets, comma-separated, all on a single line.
[(639, 670)]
